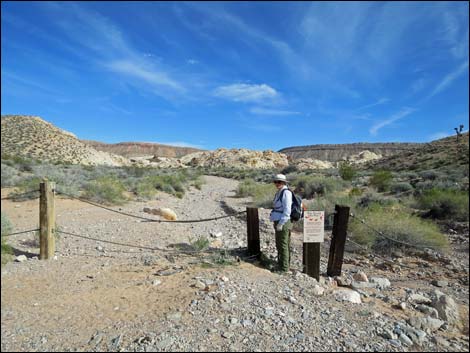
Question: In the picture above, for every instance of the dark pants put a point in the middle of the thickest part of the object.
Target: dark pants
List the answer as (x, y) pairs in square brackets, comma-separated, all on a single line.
[(283, 245)]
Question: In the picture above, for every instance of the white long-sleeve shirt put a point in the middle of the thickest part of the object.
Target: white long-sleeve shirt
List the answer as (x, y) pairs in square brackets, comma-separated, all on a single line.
[(281, 207)]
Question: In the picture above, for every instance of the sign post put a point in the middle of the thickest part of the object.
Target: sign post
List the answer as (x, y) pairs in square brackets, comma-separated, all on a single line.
[(314, 235)]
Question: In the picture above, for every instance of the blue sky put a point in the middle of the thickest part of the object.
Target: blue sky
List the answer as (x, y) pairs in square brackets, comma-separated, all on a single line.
[(258, 75)]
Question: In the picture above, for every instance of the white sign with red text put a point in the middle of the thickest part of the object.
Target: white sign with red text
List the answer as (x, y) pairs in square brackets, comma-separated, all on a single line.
[(314, 226)]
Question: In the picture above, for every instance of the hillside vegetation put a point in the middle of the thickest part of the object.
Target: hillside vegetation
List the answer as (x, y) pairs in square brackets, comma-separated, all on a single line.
[(32, 137)]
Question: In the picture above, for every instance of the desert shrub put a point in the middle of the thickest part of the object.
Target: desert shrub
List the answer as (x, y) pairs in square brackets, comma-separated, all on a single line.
[(355, 191), (144, 189), (309, 186), (396, 224), (290, 169), (5, 224), (6, 229), (346, 171), (445, 204), (398, 188), (200, 243), (198, 182), (261, 193), (381, 180), (107, 190), (429, 174), (423, 186), (371, 198), (9, 175)]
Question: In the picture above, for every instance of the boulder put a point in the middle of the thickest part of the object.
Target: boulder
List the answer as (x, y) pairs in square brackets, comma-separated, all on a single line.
[(447, 309), (348, 295)]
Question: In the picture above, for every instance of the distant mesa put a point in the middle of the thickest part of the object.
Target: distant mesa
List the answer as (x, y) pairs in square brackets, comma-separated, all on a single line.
[(141, 149), (352, 151)]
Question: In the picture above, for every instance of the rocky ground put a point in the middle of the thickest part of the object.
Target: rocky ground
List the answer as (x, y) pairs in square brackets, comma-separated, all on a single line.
[(97, 296)]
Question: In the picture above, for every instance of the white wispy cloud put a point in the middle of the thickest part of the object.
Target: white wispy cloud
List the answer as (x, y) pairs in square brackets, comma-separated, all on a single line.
[(379, 102), (105, 45), (397, 116), (455, 31), (243, 92), (273, 112), (448, 79), (147, 74)]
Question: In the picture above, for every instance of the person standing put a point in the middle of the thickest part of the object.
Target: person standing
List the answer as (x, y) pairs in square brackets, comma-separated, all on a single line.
[(280, 215)]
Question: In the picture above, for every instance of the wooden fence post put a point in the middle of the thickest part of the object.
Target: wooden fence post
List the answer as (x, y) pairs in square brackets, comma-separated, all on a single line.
[(252, 224), (338, 240), (311, 259), (46, 220)]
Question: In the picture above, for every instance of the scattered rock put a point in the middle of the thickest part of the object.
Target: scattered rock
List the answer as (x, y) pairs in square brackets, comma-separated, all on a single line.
[(21, 258), (360, 277), (447, 309), (439, 283), (348, 295), (380, 283)]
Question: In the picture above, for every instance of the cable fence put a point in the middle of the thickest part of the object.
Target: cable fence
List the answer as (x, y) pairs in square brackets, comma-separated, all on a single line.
[(48, 230), (151, 219), (18, 196), (21, 232)]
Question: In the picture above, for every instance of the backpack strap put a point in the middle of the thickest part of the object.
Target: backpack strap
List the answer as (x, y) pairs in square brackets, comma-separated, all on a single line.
[(280, 198)]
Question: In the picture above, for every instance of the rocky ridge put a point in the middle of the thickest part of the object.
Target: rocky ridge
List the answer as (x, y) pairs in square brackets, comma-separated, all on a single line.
[(141, 149), (337, 152)]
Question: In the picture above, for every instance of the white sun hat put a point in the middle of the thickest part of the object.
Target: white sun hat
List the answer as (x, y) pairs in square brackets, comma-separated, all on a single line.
[(280, 177)]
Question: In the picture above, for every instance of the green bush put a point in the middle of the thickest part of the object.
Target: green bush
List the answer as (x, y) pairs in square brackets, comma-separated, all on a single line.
[(371, 198), (396, 224), (445, 204), (6, 229), (6, 225), (107, 190), (381, 180), (262, 194), (201, 243), (145, 189), (346, 171), (355, 191), (311, 186)]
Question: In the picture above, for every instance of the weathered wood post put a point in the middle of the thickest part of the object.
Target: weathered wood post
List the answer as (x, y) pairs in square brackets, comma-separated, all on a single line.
[(252, 224), (311, 259), (314, 235), (46, 220), (338, 240)]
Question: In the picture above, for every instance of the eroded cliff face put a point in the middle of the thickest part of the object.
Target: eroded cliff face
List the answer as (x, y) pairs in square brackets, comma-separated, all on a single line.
[(335, 152), (141, 149)]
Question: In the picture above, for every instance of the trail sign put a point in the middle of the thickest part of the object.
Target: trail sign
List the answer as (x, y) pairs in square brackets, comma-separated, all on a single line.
[(314, 226)]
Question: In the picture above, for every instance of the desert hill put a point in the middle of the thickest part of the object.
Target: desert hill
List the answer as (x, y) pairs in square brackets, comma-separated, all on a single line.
[(448, 152), (33, 137)]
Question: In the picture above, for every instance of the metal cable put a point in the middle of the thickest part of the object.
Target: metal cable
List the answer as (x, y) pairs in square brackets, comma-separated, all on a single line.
[(22, 232), (151, 219), (15, 196), (128, 245)]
